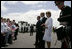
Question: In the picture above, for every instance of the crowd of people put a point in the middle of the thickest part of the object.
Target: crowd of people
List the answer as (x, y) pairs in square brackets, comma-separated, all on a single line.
[(9, 31), (44, 27)]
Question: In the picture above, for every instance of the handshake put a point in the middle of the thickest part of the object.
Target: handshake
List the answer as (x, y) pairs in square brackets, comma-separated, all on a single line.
[(44, 26)]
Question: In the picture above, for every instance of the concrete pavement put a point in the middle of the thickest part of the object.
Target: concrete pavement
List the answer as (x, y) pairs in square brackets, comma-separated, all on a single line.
[(26, 41)]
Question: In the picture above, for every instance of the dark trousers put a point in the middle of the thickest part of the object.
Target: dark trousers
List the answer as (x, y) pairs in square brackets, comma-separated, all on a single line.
[(41, 41), (10, 39), (31, 33), (37, 40), (3, 42), (64, 45), (15, 36)]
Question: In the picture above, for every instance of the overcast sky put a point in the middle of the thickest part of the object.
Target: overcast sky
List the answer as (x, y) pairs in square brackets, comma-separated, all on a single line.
[(29, 10)]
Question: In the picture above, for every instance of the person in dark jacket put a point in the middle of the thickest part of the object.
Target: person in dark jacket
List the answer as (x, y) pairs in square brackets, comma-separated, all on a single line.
[(65, 20), (38, 32), (43, 20), (31, 30)]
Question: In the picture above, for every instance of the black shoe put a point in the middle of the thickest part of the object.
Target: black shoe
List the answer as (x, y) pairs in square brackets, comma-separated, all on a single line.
[(4, 45)]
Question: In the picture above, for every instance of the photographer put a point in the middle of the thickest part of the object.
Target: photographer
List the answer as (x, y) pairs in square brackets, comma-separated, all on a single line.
[(65, 20)]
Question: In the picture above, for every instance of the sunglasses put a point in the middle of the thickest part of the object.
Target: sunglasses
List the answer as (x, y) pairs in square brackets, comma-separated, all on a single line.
[(58, 4)]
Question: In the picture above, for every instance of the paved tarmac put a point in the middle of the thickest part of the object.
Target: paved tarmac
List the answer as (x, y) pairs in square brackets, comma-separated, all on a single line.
[(26, 41)]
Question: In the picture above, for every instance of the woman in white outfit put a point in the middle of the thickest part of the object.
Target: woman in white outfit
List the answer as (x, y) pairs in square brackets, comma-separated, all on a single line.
[(48, 29)]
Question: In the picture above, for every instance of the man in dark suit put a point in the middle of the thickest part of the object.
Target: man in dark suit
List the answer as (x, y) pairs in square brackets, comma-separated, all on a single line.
[(38, 32), (42, 19)]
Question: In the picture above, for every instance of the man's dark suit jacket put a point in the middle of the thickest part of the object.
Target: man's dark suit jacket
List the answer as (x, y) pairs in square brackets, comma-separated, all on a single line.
[(42, 22), (38, 27)]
